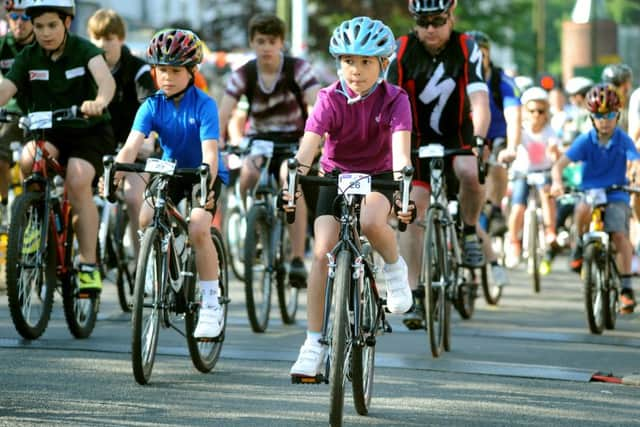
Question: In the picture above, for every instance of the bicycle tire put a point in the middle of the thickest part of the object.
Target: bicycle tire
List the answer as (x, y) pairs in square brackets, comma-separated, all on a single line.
[(592, 296), (80, 310), (29, 291), (205, 354), (492, 292), (466, 292), (363, 355), (287, 294), (340, 328), (145, 317), (258, 272), (124, 258), (610, 295), (534, 256), (433, 270), (234, 226)]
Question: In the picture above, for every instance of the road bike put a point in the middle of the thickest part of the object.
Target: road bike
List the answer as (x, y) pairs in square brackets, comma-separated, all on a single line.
[(267, 243), (166, 282), (443, 277), (354, 312), (600, 274), (42, 246), (234, 225)]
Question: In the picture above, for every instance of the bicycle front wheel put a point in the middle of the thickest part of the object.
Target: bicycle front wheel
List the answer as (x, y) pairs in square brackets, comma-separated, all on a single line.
[(147, 305), (340, 334), (466, 291), (31, 266), (534, 245), (363, 354), (258, 268), (610, 295), (205, 353), (492, 292), (593, 282), (80, 309), (434, 279)]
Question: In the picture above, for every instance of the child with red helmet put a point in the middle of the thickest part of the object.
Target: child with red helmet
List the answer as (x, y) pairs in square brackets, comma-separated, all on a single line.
[(604, 152), (186, 119)]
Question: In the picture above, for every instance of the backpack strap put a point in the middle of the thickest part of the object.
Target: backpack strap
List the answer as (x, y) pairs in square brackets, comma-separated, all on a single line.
[(288, 70), (402, 47), (494, 86)]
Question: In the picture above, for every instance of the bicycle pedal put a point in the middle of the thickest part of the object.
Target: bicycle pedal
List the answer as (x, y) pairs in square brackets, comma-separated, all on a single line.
[(303, 379)]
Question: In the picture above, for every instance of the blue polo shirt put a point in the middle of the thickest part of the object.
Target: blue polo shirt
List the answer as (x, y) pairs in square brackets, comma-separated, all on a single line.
[(604, 165), (182, 129), (510, 98)]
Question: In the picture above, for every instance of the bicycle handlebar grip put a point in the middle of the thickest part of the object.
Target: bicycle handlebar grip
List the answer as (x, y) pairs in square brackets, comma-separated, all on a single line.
[(109, 185), (292, 166), (482, 167)]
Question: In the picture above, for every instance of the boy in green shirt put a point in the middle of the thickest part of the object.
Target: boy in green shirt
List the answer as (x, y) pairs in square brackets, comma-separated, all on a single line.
[(58, 71)]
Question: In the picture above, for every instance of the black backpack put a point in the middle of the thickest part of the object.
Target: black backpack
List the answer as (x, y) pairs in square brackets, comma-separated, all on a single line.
[(289, 81)]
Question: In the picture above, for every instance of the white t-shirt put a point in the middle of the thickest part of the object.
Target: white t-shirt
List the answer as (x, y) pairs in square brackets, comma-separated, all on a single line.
[(634, 112), (531, 154)]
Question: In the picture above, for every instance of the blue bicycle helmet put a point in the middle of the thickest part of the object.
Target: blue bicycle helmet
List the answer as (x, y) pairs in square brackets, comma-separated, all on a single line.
[(362, 36)]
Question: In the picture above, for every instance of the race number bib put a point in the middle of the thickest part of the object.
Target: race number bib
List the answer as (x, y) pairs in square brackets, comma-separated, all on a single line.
[(354, 183)]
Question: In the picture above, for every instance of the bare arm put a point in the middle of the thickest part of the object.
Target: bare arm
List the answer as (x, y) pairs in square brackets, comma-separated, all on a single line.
[(310, 95), (129, 151), (106, 87), (481, 115), (210, 156), (309, 146), (227, 105), (556, 175), (7, 91), (401, 148), (513, 117)]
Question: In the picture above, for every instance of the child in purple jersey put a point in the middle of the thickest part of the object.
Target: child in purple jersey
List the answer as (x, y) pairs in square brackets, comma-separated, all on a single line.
[(367, 124)]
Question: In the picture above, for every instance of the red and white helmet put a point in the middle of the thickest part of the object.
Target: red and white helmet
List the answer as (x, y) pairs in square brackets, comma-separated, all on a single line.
[(176, 47), (430, 6), (68, 7)]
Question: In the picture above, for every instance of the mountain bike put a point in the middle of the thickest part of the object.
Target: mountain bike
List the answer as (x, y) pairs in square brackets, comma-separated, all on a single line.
[(267, 244), (600, 273), (42, 246), (354, 312), (166, 282)]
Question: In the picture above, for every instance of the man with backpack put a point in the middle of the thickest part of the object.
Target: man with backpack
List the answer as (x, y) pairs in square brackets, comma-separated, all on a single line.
[(279, 90)]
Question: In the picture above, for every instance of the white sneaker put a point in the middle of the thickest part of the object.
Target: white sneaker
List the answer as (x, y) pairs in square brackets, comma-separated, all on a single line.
[(210, 322), (310, 360), (499, 275), (399, 297)]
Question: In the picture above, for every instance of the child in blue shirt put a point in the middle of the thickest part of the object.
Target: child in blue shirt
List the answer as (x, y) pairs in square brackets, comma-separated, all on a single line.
[(604, 152), (186, 119)]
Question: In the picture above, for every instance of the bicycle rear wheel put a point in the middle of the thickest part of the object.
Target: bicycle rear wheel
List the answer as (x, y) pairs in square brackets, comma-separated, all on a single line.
[(31, 266), (593, 297), (340, 338), (205, 353), (363, 353), (258, 268), (123, 256), (80, 309), (434, 278), (287, 294), (147, 305), (235, 230), (534, 245)]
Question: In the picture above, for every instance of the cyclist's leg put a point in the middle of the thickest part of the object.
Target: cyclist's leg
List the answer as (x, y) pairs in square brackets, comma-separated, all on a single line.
[(472, 196), (134, 186), (519, 195), (581, 218), (297, 235), (326, 228), (9, 132), (249, 174), (497, 181), (616, 222), (374, 215)]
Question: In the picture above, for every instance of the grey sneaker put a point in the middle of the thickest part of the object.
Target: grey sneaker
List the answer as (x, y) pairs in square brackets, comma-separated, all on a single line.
[(499, 275), (473, 255)]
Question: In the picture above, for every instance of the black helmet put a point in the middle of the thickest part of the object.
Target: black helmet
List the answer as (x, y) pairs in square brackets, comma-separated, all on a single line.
[(430, 6), (617, 74), (481, 38)]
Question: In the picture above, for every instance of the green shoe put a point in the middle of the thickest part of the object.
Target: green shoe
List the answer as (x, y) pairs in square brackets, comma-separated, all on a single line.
[(545, 267), (89, 278)]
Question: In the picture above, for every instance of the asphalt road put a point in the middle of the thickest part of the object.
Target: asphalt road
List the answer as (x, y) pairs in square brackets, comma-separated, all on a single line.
[(528, 361)]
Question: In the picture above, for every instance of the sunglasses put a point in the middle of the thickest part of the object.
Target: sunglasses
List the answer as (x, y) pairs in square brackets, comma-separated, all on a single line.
[(15, 16), (537, 110), (436, 22), (610, 115)]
